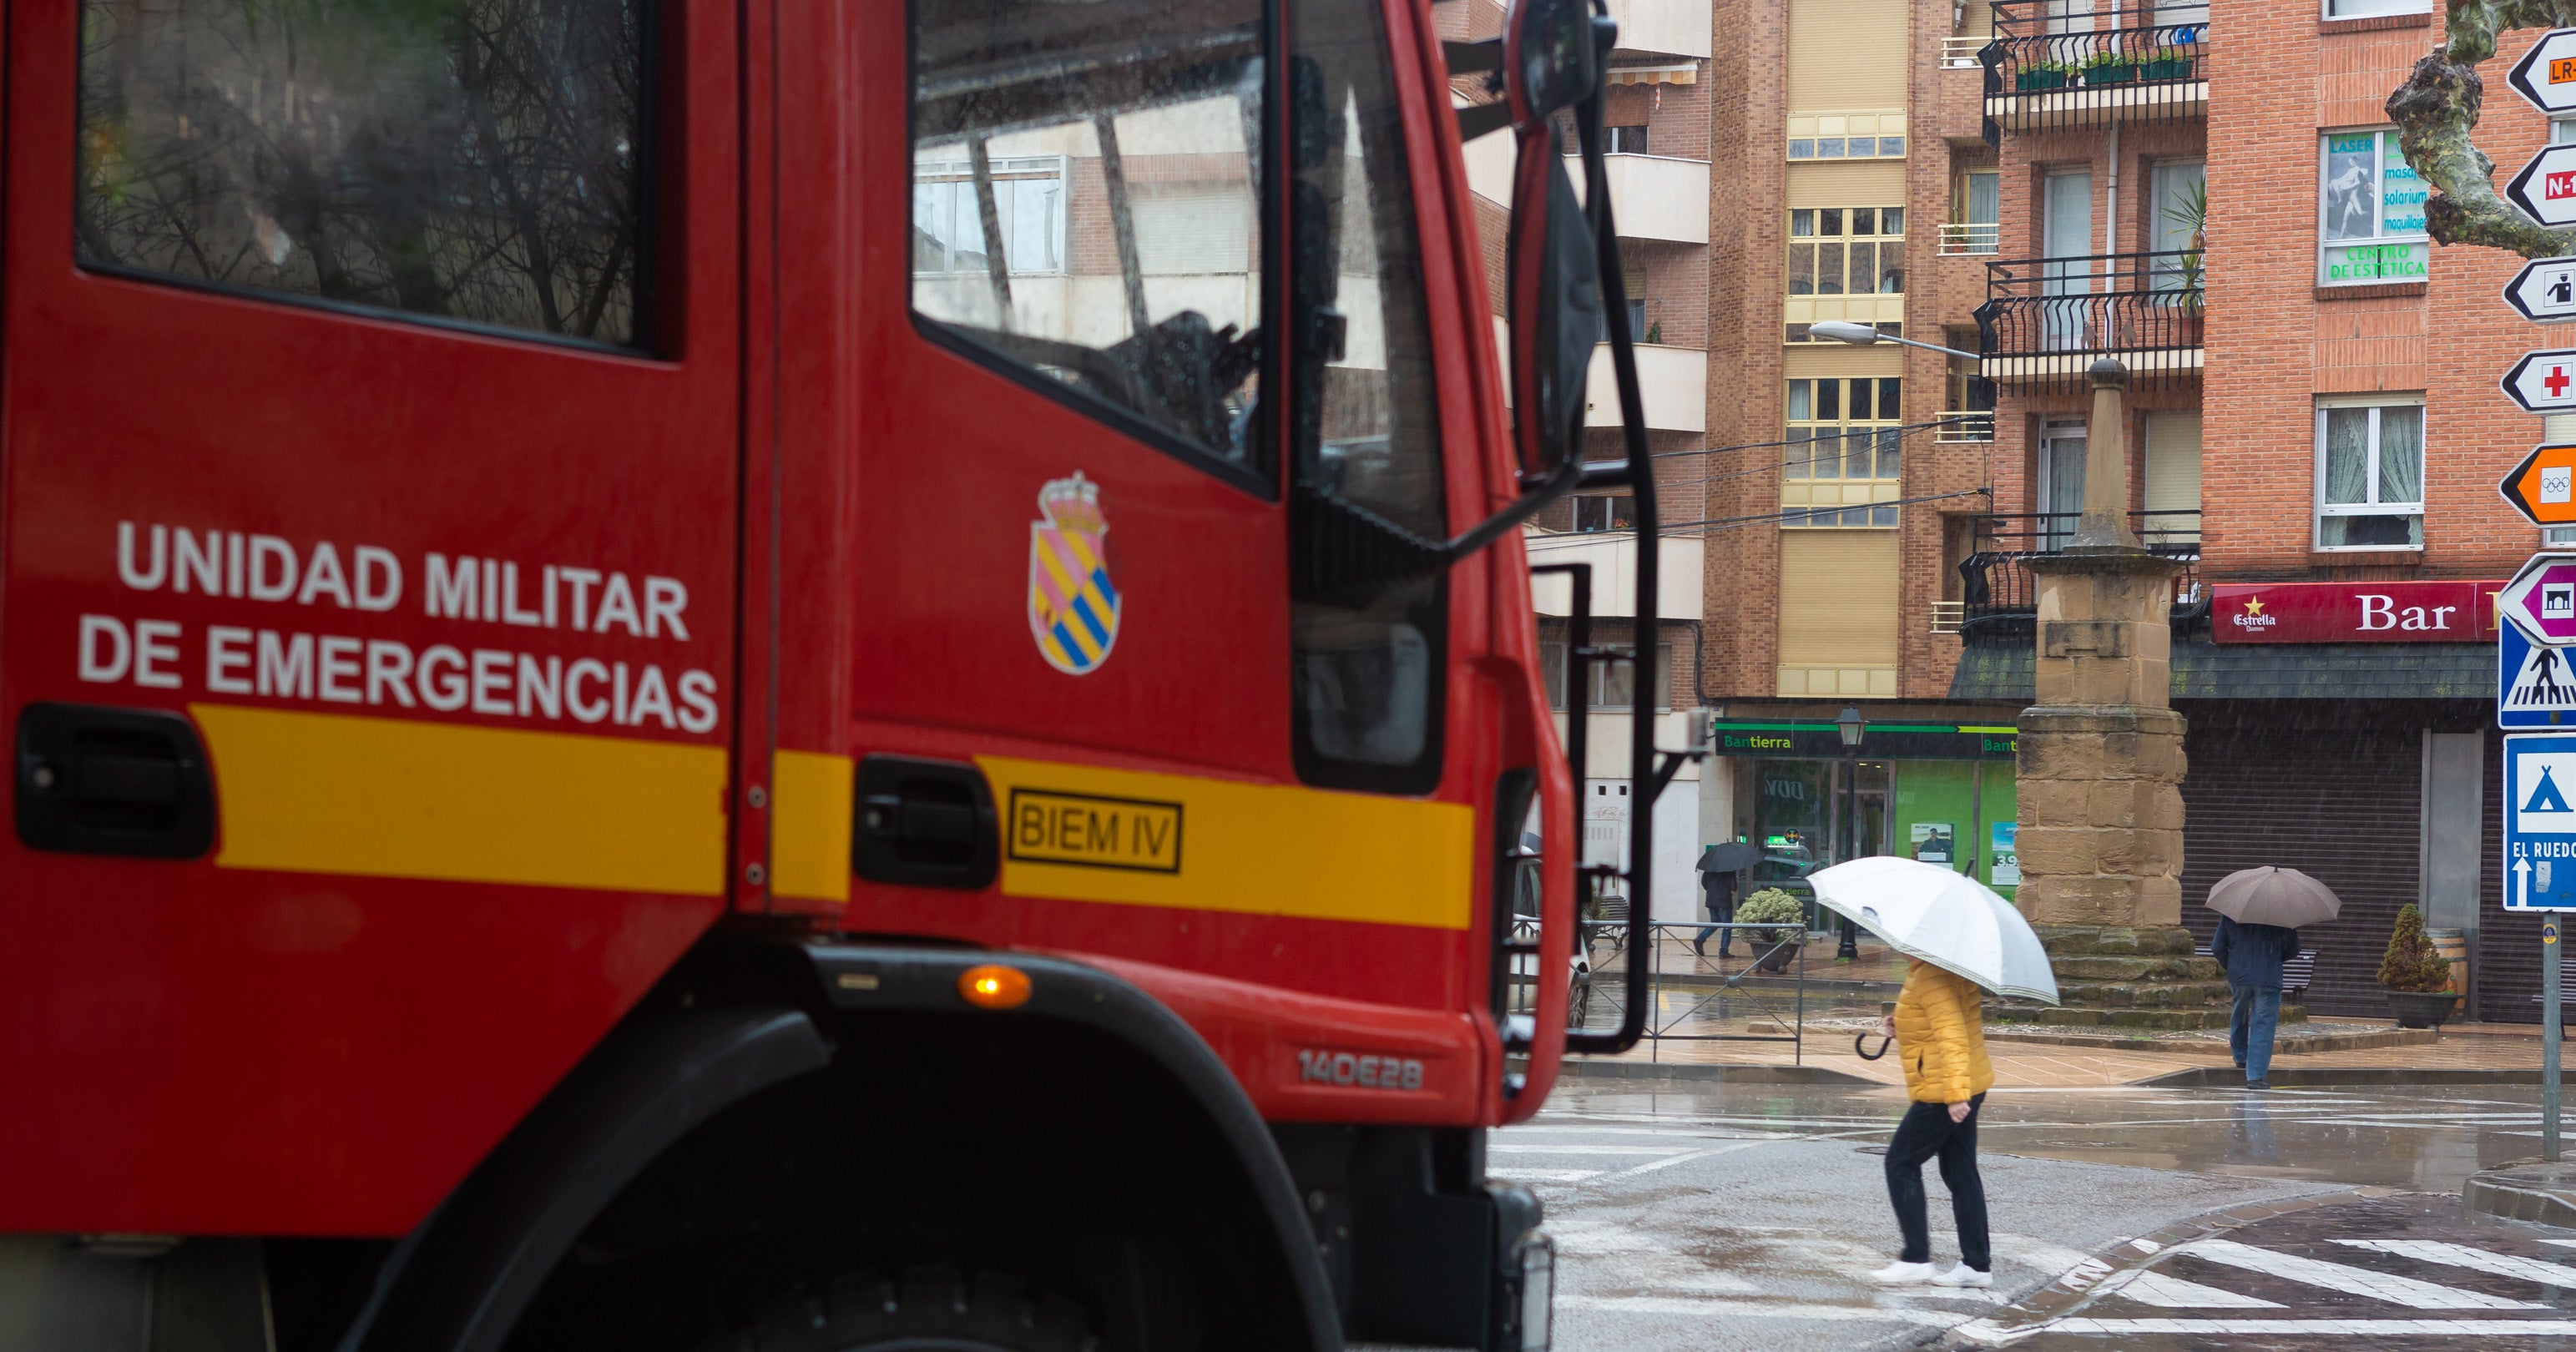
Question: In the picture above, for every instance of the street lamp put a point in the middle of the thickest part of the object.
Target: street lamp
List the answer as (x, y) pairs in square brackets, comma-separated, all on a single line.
[(1862, 335), (1852, 725)]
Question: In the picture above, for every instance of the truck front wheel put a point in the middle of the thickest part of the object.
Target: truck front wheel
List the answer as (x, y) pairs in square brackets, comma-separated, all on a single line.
[(916, 1310)]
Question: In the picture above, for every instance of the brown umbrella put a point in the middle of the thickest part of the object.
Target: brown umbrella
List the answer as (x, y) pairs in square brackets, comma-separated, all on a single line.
[(2274, 896)]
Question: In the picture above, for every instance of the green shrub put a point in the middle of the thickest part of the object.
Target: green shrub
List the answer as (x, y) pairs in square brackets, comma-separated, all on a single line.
[(2411, 963), (1772, 906)]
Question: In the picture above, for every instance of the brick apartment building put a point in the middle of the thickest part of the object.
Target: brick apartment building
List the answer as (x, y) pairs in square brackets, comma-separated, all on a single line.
[(2314, 435)]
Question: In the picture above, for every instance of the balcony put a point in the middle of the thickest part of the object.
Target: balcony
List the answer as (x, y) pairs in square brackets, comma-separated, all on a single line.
[(1964, 424), (1656, 196), (1613, 556), (1672, 381), (1970, 237), (2046, 319), (2050, 67), (1670, 27), (1959, 51), (1999, 597)]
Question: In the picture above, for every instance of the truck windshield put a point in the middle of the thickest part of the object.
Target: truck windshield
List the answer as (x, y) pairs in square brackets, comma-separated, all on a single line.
[(1085, 204)]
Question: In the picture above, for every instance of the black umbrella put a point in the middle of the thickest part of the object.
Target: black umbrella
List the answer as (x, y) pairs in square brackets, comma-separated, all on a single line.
[(1733, 856)]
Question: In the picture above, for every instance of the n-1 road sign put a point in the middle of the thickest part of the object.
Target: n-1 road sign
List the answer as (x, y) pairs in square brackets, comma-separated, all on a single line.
[(2543, 486), (2544, 292), (2541, 599), (2540, 822), (2546, 76), (2546, 187), (2543, 381)]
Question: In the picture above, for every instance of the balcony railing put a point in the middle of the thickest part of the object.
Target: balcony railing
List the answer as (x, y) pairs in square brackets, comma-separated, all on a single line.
[(2053, 65), (1964, 424), (1959, 50), (1970, 237), (1999, 597), (2046, 319)]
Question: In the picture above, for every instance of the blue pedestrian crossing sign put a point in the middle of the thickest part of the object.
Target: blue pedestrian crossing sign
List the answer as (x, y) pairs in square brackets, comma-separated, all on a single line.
[(2540, 822), (2535, 682)]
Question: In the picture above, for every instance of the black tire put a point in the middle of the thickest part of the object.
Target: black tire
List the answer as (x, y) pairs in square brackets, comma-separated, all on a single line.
[(922, 1309)]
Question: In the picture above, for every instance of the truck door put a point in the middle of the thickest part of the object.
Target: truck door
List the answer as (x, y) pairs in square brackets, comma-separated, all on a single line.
[(371, 449), (1132, 277)]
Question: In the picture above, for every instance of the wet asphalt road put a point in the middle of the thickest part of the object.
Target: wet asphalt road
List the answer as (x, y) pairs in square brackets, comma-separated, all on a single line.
[(1734, 1216)]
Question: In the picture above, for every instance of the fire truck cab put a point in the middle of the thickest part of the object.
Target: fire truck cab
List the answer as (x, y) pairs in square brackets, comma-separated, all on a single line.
[(785, 675)]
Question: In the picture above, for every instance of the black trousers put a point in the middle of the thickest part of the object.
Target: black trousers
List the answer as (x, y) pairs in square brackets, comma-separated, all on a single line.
[(1927, 1131)]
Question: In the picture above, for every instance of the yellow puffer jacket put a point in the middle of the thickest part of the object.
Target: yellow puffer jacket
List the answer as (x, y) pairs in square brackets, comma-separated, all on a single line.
[(1941, 1034)]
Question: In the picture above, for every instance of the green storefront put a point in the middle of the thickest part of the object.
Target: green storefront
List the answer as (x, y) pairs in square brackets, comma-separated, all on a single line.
[(1938, 792)]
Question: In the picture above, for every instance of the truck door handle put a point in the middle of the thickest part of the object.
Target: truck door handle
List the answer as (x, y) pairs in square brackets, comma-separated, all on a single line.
[(925, 822), (113, 781)]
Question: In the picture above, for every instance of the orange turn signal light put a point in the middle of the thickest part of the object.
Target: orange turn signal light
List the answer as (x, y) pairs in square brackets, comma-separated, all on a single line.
[(994, 986)]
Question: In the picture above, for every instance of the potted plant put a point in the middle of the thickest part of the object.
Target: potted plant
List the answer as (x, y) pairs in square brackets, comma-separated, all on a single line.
[(2040, 75), (1775, 947), (2418, 979), (2109, 68), (2166, 63), (2189, 214)]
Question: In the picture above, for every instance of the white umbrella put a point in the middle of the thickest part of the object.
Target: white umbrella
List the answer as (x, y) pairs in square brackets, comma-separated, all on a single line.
[(1933, 915)]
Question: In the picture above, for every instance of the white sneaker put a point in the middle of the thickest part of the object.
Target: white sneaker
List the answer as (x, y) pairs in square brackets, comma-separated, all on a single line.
[(1900, 1273), (1964, 1275)]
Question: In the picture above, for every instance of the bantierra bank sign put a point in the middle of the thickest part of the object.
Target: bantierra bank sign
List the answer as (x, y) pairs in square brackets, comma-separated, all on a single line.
[(1892, 739)]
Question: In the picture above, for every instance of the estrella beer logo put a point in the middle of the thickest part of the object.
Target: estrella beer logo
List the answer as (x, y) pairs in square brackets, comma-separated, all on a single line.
[(2254, 618), (1073, 606)]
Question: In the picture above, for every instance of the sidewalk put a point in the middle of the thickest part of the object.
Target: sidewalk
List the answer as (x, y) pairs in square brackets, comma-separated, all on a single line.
[(1836, 1011)]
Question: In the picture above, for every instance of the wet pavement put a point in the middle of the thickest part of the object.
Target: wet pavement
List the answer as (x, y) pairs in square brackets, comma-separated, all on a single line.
[(1722, 1216)]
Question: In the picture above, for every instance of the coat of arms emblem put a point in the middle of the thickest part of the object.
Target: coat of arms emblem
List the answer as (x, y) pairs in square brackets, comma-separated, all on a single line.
[(1073, 606)]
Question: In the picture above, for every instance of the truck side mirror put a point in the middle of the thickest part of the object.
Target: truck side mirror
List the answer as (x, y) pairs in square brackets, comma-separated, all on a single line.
[(1551, 63)]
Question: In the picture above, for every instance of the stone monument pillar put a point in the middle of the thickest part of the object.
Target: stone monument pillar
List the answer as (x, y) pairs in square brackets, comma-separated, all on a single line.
[(2101, 766)]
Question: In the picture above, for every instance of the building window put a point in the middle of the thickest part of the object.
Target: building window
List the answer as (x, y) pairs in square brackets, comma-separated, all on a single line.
[(2370, 474), (1626, 140), (1605, 512), (2370, 211), (2355, 9), (1847, 251), (1847, 136), (1844, 447), (1612, 684), (1976, 213), (1028, 201)]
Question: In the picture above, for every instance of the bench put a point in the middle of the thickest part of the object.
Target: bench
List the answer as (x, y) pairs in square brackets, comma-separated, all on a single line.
[(2295, 974)]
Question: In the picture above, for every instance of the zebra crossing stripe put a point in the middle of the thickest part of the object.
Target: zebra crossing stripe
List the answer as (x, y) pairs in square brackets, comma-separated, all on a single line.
[(2173, 1293), (2353, 1281), (2367, 1328), (2461, 1255)]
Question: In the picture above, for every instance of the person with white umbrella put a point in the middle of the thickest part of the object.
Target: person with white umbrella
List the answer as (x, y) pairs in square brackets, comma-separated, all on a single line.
[(2260, 911), (1961, 936)]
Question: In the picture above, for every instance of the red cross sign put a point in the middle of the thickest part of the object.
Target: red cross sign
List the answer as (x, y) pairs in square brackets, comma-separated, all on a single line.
[(2543, 382)]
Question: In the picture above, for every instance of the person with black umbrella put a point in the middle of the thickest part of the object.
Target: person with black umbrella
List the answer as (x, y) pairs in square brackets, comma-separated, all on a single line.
[(1718, 867), (2260, 911)]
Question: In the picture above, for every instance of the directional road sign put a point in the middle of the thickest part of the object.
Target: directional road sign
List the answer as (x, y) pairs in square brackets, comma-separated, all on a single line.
[(2546, 187), (2543, 486), (2541, 599), (2535, 684), (2543, 381), (2540, 822), (2547, 75), (2544, 292)]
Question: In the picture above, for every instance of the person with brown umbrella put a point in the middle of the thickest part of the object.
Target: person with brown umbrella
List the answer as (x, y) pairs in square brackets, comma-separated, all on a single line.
[(2260, 911)]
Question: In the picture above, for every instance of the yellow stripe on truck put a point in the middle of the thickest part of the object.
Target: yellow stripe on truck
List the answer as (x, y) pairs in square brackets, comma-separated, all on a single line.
[(1085, 834), (398, 798), (809, 824)]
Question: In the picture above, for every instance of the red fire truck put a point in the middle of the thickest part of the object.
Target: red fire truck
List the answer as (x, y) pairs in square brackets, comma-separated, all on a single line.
[(780, 674)]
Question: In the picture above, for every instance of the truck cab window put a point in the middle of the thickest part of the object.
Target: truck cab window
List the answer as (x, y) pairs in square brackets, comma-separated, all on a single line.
[(473, 160), (1086, 204), (1367, 651)]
